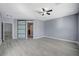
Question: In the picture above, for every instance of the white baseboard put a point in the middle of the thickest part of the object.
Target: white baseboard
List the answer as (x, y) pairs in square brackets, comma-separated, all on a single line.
[(62, 39), (38, 37)]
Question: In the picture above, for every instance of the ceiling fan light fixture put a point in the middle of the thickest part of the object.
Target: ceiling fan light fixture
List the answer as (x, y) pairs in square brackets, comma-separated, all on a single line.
[(45, 11)]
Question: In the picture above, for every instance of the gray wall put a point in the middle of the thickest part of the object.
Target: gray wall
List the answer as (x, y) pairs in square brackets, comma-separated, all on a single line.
[(0, 28), (62, 28), (78, 27), (38, 29), (0, 31)]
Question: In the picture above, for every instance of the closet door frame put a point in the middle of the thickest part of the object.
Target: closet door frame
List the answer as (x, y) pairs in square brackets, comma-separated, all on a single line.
[(17, 29)]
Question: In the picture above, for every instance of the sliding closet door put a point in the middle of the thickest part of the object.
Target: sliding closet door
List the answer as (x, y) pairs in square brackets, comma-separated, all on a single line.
[(21, 29)]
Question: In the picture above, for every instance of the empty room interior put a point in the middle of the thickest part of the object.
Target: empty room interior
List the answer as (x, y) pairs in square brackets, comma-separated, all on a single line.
[(39, 29)]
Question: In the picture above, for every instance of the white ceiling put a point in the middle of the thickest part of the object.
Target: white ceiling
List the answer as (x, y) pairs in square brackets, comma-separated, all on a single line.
[(28, 10)]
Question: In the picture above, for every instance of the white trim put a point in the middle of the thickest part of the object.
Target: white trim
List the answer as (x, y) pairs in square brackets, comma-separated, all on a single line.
[(62, 39), (38, 37)]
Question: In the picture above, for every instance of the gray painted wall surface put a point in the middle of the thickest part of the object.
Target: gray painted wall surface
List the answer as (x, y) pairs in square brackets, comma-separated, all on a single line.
[(78, 27), (0, 31), (14, 29), (38, 29), (0, 28), (62, 28)]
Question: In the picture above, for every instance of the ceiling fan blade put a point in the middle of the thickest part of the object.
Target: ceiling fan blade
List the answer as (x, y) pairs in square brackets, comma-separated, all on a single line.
[(49, 10), (43, 9), (48, 13)]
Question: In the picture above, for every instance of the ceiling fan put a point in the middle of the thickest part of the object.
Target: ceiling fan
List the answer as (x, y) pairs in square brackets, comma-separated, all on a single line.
[(44, 11)]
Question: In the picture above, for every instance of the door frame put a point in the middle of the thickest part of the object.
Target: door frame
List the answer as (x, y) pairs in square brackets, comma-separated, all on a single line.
[(27, 29), (2, 32)]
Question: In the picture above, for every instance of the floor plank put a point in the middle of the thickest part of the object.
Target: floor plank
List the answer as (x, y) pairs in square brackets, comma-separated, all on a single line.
[(38, 47)]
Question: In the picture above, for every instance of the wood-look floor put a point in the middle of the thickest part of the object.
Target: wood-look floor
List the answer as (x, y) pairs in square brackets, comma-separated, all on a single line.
[(38, 47)]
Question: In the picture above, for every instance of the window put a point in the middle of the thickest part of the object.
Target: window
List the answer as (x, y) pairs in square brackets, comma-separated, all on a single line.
[(21, 29)]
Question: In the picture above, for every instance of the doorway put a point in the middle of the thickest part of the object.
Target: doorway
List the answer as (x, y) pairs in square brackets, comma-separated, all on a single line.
[(7, 29), (30, 30)]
